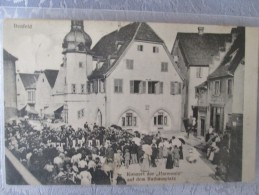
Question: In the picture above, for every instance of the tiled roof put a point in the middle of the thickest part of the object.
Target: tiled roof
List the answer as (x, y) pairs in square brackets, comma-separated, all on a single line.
[(198, 49), (28, 80), (233, 57), (107, 46), (8, 56), (51, 76)]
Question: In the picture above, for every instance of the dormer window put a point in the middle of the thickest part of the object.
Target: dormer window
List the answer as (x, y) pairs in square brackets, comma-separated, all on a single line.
[(140, 47), (176, 58)]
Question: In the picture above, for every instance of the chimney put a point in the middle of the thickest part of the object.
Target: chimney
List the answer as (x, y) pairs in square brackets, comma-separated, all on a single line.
[(200, 30)]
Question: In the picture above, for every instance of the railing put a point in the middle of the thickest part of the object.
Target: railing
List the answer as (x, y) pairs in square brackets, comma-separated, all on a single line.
[(27, 176)]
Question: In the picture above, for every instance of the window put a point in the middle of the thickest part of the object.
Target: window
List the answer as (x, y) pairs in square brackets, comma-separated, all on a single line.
[(82, 88), (137, 86), (198, 72), (176, 58), (164, 67), (160, 119), (140, 47), (88, 87), (129, 64), (155, 49), (216, 87), (101, 86), (229, 83), (175, 88), (73, 88), (123, 121), (155, 87), (43, 80), (65, 80), (95, 86), (128, 119), (80, 113), (31, 95), (80, 64), (118, 85)]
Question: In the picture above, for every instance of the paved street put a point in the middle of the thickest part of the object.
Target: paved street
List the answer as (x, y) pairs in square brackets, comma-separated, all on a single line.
[(199, 172)]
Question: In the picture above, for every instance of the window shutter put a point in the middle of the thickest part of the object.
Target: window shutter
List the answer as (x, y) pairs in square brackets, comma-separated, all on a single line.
[(143, 86), (179, 88), (157, 88), (104, 85), (172, 88), (161, 87), (131, 86)]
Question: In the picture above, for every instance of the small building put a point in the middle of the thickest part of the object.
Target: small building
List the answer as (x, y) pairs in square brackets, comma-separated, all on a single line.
[(26, 94), (44, 85), (10, 98)]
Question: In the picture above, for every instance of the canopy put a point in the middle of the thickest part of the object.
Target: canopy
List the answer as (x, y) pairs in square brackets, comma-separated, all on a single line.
[(31, 110), (52, 108)]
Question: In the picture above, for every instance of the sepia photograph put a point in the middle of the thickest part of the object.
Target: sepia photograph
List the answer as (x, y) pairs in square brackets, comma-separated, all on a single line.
[(123, 103)]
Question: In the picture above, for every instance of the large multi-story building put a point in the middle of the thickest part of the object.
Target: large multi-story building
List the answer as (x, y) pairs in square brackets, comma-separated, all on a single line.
[(195, 54), (128, 78)]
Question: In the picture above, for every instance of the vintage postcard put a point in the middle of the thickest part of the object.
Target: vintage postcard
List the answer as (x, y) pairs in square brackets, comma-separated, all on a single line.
[(111, 103)]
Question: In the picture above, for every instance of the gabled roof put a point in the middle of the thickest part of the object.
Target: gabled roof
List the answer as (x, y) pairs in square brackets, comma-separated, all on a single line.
[(8, 56), (107, 46), (198, 49), (51, 76), (233, 57), (28, 80)]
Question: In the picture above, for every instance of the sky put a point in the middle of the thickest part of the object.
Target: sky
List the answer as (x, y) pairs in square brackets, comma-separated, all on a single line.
[(40, 47)]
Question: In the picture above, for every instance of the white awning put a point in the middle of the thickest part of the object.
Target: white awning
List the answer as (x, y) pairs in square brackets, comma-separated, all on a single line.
[(52, 108)]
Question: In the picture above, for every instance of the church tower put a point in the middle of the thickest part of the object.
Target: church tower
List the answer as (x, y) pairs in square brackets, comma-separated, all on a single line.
[(77, 58), (76, 66)]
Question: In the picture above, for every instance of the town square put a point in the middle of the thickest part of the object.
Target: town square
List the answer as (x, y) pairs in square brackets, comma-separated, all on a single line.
[(111, 103)]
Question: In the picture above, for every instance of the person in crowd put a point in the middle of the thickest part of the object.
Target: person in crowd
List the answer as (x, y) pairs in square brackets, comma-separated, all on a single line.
[(120, 180), (154, 154), (127, 158), (85, 176), (134, 151), (176, 155), (170, 159)]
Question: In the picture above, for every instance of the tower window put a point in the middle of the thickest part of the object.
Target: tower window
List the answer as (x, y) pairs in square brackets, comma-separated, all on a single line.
[(80, 64), (73, 88), (82, 88)]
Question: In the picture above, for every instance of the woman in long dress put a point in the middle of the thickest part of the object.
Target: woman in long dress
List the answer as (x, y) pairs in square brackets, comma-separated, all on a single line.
[(169, 160), (145, 163)]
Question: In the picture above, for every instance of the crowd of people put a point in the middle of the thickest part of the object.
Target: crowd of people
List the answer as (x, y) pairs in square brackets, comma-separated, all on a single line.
[(217, 146), (88, 155)]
